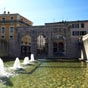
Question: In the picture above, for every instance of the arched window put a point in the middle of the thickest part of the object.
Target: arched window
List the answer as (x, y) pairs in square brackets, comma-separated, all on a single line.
[(61, 46), (58, 47), (42, 45), (26, 45), (41, 42), (26, 40)]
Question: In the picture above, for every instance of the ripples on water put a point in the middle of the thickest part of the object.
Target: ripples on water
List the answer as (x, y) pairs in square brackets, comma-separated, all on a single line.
[(54, 75), (62, 75)]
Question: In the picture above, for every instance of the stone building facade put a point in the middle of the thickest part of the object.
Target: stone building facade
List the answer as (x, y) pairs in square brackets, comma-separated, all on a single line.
[(8, 24), (53, 40), (19, 38)]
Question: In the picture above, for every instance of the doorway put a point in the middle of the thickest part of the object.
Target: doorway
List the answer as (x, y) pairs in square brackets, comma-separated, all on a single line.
[(25, 50), (26, 46), (58, 48)]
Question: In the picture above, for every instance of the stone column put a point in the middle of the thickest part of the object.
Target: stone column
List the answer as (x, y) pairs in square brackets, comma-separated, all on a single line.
[(50, 46), (33, 48), (33, 44)]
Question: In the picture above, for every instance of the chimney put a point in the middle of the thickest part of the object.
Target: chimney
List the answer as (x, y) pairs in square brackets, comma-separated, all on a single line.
[(4, 12), (8, 12)]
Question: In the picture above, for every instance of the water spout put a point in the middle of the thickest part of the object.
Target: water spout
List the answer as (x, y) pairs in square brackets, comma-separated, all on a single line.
[(26, 61), (32, 57), (3, 73), (2, 70), (16, 65)]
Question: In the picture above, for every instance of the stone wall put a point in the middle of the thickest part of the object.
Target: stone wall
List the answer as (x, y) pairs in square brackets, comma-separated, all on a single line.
[(51, 32), (73, 48), (14, 48)]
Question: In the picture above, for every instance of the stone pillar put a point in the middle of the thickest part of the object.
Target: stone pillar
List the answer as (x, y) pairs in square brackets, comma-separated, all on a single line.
[(50, 46), (33, 48), (34, 45), (50, 50)]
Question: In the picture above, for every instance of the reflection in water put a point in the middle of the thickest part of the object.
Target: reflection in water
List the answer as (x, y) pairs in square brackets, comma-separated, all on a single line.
[(62, 74), (55, 75), (83, 64)]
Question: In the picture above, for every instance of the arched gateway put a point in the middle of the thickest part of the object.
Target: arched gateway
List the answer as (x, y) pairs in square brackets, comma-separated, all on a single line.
[(32, 41), (49, 41), (26, 45), (42, 42)]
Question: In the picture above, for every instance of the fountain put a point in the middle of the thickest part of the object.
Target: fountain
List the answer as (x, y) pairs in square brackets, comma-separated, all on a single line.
[(26, 61), (2, 70), (32, 58), (16, 65), (3, 73)]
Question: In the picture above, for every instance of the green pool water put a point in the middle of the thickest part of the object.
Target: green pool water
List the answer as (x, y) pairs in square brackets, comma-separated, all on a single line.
[(50, 74)]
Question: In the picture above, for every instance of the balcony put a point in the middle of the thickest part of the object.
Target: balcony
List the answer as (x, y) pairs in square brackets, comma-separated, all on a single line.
[(8, 21), (14, 21)]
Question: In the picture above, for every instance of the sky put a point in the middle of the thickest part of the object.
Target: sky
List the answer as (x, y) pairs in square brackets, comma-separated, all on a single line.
[(47, 11)]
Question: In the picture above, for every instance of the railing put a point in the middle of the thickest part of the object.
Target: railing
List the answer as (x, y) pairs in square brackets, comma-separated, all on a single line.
[(8, 21), (14, 21)]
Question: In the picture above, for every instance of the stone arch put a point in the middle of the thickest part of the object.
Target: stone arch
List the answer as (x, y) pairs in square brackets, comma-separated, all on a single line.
[(41, 41), (59, 46), (26, 41), (42, 44)]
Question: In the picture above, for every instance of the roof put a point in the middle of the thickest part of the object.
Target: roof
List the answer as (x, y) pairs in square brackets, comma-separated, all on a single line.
[(15, 14), (68, 22)]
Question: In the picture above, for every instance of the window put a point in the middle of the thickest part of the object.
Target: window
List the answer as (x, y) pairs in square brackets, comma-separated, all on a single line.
[(82, 32), (3, 19), (41, 42), (75, 33), (75, 25), (2, 36), (11, 30), (61, 46), (11, 37), (82, 25), (3, 30), (12, 18)]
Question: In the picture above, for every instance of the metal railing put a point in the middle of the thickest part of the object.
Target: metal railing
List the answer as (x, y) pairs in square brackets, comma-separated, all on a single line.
[(14, 21)]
